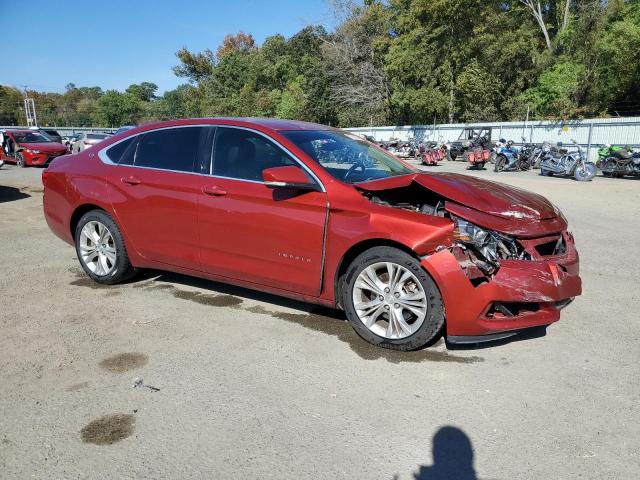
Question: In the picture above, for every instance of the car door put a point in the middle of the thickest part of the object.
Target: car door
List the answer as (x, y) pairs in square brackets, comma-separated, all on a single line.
[(154, 192), (254, 233)]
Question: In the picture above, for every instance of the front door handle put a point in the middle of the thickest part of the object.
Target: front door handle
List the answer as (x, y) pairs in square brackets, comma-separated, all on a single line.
[(130, 180), (214, 191)]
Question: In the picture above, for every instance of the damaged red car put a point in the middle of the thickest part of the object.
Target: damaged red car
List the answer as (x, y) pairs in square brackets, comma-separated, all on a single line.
[(320, 215), (28, 148)]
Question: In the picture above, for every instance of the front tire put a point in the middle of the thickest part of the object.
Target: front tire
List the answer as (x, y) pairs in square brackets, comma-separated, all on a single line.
[(20, 161), (585, 173), (101, 250), (390, 300), (501, 161)]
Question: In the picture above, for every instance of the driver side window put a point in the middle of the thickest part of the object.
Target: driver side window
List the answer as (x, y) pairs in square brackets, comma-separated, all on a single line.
[(243, 154)]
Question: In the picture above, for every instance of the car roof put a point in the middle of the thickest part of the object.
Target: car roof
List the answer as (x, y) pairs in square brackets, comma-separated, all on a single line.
[(274, 124), (19, 130)]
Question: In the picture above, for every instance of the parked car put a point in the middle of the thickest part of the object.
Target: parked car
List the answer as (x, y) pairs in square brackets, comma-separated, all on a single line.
[(125, 128), (470, 139), (85, 140), (52, 134), (67, 140), (49, 132), (29, 148), (262, 204)]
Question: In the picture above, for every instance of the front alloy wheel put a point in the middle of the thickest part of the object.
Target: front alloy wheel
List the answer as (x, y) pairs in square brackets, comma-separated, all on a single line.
[(20, 161), (585, 172), (390, 300)]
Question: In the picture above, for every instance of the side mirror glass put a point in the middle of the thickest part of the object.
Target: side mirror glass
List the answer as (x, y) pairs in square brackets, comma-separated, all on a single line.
[(290, 177)]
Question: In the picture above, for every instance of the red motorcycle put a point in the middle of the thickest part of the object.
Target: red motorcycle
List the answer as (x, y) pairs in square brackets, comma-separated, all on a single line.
[(432, 155), (477, 157)]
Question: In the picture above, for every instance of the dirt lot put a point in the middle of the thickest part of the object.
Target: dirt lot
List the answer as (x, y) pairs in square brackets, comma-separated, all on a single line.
[(255, 386)]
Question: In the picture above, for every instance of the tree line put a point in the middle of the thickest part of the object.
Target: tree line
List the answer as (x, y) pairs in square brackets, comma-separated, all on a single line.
[(393, 62)]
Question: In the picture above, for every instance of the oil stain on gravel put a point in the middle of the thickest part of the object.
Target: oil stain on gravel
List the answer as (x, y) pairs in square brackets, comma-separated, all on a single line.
[(76, 387), (327, 321), (207, 299), (211, 300), (108, 429), (124, 362)]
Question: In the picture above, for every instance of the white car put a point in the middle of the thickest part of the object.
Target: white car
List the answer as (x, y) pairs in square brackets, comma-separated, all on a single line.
[(85, 140)]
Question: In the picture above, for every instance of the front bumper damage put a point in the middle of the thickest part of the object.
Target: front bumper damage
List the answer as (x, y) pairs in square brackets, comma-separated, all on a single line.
[(520, 294)]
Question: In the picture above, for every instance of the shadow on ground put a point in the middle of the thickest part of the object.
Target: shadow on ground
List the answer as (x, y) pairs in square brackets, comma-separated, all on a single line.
[(452, 457), (10, 194), (329, 321)]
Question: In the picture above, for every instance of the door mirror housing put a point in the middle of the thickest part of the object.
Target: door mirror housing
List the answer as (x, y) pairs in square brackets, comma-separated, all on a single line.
[(290, 176)]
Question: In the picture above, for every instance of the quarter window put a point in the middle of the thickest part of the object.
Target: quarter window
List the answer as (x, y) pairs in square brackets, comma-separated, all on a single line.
[(121, 153), (244, 154), (170, 149)]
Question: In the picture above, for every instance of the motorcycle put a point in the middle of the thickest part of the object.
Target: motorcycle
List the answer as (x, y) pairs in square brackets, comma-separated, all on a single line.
[(568, 163), (431, 154), (618, 161), (477, 155), (510, 158), (607, 151)]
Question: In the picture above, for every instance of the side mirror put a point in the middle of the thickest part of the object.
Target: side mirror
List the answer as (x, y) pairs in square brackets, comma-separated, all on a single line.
[(291, 177)]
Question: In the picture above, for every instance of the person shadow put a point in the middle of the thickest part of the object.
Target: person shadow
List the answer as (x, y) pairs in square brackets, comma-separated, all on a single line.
[(452, 457)]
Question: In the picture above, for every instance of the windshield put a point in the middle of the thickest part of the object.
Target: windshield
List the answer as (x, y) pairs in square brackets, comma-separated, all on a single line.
[(347, 157), (31, 137)]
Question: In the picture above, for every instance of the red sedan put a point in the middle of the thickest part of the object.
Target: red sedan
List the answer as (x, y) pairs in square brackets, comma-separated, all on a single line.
[(29, 148), (317, 214)]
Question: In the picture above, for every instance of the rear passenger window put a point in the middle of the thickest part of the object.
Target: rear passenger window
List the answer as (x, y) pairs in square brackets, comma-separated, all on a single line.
[(170, 149), (117, 152), (244, 154)]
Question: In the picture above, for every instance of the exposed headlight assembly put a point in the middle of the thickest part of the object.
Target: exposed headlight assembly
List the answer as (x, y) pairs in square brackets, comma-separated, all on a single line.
[(491, 246), (32, 151)]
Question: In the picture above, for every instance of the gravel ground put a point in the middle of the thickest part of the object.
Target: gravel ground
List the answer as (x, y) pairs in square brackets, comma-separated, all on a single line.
[(256, 386)]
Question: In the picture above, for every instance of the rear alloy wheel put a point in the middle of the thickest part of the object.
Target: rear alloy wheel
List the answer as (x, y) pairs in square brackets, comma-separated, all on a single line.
[(390, 300), (20, 161), (101, 250)]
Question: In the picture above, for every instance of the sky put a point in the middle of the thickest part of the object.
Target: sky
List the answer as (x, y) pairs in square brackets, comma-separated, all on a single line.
[(114, 43)]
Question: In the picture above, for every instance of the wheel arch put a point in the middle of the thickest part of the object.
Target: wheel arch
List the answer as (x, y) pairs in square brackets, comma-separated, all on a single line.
[(79, 212), (356, 249)]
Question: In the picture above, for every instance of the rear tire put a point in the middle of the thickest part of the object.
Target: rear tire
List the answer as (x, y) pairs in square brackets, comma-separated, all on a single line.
[(408, 314), (101, 250)]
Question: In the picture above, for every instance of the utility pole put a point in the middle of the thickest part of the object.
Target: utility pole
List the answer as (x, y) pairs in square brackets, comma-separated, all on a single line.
[(30, 110), (526, 120)]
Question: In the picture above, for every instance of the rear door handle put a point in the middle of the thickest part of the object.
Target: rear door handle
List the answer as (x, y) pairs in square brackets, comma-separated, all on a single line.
[(213, 191), (130, 180)]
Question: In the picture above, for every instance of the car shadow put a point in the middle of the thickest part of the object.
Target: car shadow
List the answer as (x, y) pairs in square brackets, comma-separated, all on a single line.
[(329, 321), (10, 194)]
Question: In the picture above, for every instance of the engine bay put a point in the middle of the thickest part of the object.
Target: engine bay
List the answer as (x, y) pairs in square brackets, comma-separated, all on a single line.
[(478, 250)]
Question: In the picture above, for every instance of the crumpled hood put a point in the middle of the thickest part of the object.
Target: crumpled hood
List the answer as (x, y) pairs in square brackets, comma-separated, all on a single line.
[(46, 147), (489, 197)]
